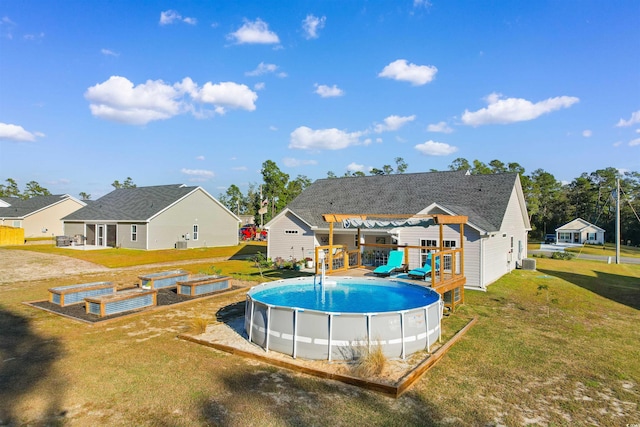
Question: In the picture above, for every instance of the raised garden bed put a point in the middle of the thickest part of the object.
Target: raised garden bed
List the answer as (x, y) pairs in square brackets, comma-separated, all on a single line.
[(128, 300), (75, 294), (202, 285), (165, 298), (163, 279)]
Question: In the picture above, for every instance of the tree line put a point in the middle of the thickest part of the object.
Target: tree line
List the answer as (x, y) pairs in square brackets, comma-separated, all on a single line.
[(550, 203)]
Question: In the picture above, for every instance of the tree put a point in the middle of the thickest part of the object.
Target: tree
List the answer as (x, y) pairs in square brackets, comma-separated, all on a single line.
[(234, 200), (9, 190), (128, 183), (33, 189), (84, 196), (401, 165), (460, 164), (297, 186), (275, 187)]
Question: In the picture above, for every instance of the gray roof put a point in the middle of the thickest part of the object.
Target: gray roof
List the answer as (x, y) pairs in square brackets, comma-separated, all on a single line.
[(483, 198), (131, 204), (21, 208)]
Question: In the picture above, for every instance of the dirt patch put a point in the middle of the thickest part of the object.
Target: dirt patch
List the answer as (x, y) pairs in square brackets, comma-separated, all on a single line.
[(19, 266)]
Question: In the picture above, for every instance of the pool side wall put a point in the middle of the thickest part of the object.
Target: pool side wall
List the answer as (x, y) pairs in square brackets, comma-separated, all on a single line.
[(348, 333)]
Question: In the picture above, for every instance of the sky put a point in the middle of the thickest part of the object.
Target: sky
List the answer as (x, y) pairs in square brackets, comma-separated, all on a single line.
[(203, 93)]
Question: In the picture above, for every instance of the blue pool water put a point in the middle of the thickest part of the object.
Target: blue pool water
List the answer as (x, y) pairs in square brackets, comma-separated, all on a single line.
[(371, 297)]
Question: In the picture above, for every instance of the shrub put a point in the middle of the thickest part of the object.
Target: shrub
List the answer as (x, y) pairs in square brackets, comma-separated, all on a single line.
[(211, 271), (199, 325), (563, 255)]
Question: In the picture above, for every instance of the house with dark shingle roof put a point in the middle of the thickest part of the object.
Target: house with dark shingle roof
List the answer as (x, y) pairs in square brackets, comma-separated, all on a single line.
[(495, 236), (39, 216), (156, 217)]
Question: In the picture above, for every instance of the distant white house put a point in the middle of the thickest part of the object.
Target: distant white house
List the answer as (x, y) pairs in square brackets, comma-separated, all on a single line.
[(580, 231)]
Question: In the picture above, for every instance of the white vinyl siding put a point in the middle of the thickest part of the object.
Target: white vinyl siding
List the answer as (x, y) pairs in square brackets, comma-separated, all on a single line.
[(296, 241)]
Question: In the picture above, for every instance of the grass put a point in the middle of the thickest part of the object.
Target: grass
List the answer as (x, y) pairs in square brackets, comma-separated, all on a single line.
[(608, 249), (118, 257), (569, 357)]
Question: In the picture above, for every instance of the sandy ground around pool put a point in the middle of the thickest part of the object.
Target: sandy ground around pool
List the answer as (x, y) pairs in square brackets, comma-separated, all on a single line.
[(17, 266), (231, 333)]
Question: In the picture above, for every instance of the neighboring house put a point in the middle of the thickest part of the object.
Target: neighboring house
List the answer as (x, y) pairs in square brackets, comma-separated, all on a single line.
[(495, 236), (580, 231), (157, 217), (39, 216)]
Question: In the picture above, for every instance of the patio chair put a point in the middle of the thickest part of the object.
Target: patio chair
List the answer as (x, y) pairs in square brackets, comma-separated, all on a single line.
[(424, 271), (394, 264)]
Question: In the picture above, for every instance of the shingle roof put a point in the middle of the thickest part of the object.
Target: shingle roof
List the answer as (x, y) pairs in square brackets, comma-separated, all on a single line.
[(19, 208), (131, 204), (483, 198)]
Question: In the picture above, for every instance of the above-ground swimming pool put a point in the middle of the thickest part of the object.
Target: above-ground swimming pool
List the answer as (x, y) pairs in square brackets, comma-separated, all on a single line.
[(302, 318)]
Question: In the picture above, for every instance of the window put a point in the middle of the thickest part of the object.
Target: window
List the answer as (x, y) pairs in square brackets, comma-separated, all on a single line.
[(17, 223), (195, 232), (291, 232), (449, 243), (134, 232), (423, 251)]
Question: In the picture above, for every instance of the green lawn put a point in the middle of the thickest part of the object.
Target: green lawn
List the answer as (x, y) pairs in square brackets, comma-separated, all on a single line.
[(118, 257), (557, 346)]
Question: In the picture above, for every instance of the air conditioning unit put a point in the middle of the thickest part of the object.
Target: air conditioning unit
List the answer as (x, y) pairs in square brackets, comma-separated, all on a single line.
[(181, 245), (528, 264)]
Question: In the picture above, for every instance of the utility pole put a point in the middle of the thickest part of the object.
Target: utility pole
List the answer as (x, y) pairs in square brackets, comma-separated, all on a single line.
[(617, 221)]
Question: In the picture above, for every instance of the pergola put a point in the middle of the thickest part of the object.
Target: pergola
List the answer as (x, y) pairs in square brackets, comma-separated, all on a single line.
[(449, 285)]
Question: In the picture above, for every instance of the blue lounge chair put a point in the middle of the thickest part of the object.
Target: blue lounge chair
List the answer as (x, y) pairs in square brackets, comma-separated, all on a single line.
[(423, 272), (394, 264)]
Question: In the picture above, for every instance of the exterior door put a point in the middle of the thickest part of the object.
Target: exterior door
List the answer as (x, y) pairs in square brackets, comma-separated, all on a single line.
[(100, 236)]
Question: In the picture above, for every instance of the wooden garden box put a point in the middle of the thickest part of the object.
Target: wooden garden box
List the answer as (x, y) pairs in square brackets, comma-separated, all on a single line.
[(203, 285), (75, 294), (163, 279), (127, 300)]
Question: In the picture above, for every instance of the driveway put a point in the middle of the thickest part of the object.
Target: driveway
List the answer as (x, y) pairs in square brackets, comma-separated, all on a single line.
[(560, 247)]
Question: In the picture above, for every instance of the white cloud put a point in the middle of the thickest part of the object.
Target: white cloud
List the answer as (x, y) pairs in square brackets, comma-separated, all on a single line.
[(432, 148), (17, 133), (421, 3), (254, 32), (417, 75), (328, 91), (262, 69), (292, 163), (587, 133), (259, 86), (305, 138), (198, 175), (170, 16), (393, 123), (239, 168), (227, 95), (119, 100), (354, 167), (441, 127), (311, 24), (273, 128), (635, 118), (199, 157), (109, 52), (33, 36), (617, 143), (634, 142), (511, 110)]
